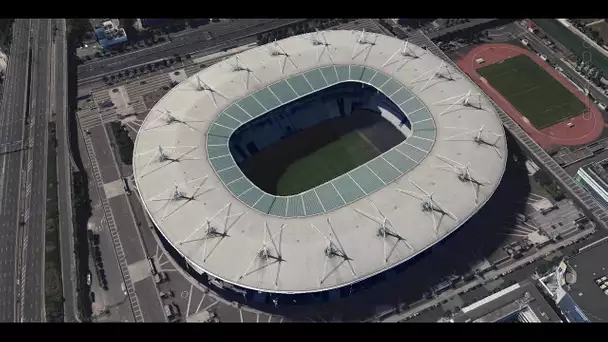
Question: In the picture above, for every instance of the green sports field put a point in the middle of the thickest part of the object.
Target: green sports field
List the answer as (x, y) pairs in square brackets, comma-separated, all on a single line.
[(535, 93), (320, 153), (326, 163)]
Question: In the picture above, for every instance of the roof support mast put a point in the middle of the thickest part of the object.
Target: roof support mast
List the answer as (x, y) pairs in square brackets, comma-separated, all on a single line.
[(325, 45), (240, 66), (436, 73), (385, 231), (463, 100), (267, 255), (202, 86), (430, 205), (333, 250), (406, 51)]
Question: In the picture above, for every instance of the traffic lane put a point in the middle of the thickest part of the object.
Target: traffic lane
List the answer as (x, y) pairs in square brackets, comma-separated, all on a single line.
[(149, 302), (103, 154), (182, 46), (66, 230), (127, 229), (40, 80), (189, 47), (191, 35), (96, 83), (204, 32)]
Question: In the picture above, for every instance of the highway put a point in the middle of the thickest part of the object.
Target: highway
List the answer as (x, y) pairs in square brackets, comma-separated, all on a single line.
[(64, 173), (36, 184), (223, 33), (12, 119)]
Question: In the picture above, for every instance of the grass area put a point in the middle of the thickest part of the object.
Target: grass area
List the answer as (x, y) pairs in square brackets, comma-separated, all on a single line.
[(549, 185), (124, 142), (534, 92), (53, 288), (326, 163), (318, 154), (572, 42)]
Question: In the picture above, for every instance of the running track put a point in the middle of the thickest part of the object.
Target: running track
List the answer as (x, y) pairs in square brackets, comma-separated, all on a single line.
[(587, 127)]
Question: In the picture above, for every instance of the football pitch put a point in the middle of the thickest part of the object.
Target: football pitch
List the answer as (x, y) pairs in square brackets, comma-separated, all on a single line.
[(326, 163), (320, 153), (537, 95)]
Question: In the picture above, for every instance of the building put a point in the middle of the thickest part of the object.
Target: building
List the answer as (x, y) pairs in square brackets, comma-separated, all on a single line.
[(354, 227), (553, 284), (514, 304), (594, 178), (109, 35)]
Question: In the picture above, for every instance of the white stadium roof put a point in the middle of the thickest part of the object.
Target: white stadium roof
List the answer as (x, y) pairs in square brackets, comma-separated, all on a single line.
[(357, 225)]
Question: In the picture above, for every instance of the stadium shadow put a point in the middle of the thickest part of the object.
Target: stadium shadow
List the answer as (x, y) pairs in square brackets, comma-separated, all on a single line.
[(405, 284), (377, 130)]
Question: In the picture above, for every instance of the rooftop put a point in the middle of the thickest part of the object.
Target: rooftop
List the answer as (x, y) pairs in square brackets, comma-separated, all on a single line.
[(521, 303), (357, 225)]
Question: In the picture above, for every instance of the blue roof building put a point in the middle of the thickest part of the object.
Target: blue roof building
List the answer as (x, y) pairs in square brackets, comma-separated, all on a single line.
[(110, 35), (569, 309)]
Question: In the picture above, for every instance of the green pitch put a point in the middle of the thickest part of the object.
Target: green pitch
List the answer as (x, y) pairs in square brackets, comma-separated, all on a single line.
[(326, 163), (535, 93)]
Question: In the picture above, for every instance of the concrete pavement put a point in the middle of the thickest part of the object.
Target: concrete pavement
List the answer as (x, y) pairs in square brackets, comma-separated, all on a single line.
[(36, 175), (12, 119), (64, 173)]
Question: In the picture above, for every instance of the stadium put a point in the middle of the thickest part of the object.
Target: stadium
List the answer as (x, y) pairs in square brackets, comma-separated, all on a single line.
[(316, 162)]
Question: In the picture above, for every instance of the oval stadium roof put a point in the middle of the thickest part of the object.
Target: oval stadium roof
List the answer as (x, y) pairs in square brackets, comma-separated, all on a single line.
[(361, 223)]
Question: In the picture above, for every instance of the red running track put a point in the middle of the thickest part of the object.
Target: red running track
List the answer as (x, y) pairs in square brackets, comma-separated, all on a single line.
[(587, 127)]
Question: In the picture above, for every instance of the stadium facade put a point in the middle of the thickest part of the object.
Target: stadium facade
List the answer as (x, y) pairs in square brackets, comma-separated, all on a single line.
[(594, 178), (350, 228)]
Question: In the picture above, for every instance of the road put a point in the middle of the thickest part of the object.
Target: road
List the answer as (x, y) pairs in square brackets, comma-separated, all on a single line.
[(36, 184), (487, 277), (12, 115), (223, 33), (64, 174)]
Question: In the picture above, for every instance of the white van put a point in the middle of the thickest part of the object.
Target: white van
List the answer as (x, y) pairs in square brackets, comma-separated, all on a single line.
[(602, 106), (524, 42), (480, 60), (543, 57)]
